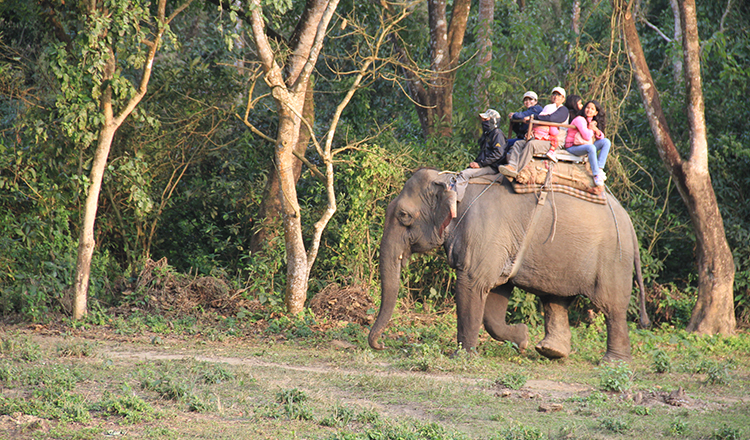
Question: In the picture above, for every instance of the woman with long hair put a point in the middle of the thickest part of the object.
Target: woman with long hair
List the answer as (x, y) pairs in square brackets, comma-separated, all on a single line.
[(587, 137)]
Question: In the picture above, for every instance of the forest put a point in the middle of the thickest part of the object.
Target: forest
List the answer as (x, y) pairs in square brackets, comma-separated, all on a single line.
[(137, 132)]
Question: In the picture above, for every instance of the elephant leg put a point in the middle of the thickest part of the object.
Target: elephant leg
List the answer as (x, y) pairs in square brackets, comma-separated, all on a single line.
[(469, 311), (618, 341), (556, 342), (495, 309)]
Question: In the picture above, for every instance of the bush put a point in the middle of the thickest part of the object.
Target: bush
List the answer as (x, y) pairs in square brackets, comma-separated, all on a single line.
[(616, 376), (662, 362), (514, 381)]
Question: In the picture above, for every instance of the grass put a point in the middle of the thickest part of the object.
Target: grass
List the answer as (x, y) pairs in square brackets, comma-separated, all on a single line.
[(289, 381)]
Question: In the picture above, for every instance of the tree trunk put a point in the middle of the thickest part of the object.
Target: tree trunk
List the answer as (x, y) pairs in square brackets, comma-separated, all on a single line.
[(714, 310), (676, 59), (434, 95), (86, 241), (486, 20), (270, 207), (296, 256)]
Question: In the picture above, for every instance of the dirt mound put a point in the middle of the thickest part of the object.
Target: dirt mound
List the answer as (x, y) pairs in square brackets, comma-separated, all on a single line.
[(17, 424), (350, 303), (158, 289), (176, 294)]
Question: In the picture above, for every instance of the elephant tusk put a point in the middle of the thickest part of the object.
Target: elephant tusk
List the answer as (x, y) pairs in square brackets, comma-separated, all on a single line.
[(401, 257)]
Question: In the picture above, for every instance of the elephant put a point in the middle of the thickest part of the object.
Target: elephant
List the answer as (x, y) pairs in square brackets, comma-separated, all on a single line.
[(576, 248)]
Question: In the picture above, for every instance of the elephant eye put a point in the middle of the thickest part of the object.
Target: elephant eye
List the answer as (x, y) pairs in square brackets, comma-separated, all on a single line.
[(405, 218)]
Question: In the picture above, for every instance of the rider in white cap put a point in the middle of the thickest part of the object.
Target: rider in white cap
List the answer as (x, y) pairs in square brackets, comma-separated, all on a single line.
[(530, 101), (545, 137)]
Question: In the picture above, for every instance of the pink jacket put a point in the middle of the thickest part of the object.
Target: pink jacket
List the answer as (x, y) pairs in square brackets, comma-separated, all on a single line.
[(581, 125), (545, 131)]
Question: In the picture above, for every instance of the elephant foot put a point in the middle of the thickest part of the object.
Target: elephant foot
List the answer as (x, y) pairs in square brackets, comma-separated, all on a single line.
[(552, 350), (610, 357)]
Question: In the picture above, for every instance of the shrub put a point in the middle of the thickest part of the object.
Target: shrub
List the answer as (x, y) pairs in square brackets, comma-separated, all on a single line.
[(340, 416), (616, 376), (291, 396), (662, 362), (678, 428), (214, 373), (727, 433), (130, 407), (717, 373), (521, 432), (615, 425), (514, 381)]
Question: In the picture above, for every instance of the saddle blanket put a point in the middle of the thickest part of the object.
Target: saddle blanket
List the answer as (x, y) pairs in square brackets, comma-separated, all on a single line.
[(574, 179)]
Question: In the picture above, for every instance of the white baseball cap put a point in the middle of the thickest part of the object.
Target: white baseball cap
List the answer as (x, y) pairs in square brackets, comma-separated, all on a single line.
[(531, 95), (559, 90), (489, 114)]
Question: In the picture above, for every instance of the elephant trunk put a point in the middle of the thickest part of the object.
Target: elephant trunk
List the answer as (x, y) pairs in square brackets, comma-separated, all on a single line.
[(392, 257)]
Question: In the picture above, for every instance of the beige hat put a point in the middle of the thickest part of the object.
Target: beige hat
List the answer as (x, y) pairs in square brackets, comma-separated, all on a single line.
[(531, 95), (490, 114), (559, 90)]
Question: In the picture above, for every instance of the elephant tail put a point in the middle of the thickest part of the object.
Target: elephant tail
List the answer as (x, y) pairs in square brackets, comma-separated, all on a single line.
[(644, 321)]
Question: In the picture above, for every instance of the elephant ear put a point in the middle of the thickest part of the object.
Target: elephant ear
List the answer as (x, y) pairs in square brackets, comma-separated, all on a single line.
[(446, 203)]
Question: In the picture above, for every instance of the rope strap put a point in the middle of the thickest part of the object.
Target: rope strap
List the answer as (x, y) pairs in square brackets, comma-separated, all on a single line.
[(529, 233)]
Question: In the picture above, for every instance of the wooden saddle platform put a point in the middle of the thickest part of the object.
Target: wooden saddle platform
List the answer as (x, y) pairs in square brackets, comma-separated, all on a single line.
[(572, 178)]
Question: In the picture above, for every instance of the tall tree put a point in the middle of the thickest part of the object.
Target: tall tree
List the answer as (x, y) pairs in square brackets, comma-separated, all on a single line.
[(291, 89), (432, 92), (714, 309), (102, 44)]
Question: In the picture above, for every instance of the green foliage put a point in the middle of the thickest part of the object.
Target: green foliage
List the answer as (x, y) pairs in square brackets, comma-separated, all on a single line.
[(423, 357), (340, 416), (20, 348), (730, 161), (521, 432), (130, 407), (596, 398), (50, 392), (524, 307), (405, 431), (727, 433), (76, 349), (213, 373), (717, 373), (616, 376), (678, 428), (295, 327), (293, 395), (662, 363), (292, 404), (668, 304), (514, 381), (615, 425), (363, 190), (168, 387)]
